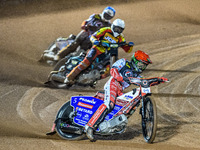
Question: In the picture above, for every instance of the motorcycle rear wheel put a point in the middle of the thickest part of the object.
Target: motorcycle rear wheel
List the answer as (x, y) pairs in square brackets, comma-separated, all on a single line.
[(63, 114), (149, 120)]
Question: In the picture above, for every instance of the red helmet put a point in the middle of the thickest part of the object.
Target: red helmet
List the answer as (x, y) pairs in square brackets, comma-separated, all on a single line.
[(140, 60)]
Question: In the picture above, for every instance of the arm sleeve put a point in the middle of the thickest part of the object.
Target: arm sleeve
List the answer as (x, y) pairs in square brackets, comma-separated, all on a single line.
[(115, 73), (83, 25), (126, 47), (88, 21), (117, 66)]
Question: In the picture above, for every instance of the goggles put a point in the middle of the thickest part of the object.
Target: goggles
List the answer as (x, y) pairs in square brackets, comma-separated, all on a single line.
[(141, 65), (107, 16), (118, 29)]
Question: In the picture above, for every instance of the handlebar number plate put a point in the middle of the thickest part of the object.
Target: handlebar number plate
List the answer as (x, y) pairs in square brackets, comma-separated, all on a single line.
[(146, 90)]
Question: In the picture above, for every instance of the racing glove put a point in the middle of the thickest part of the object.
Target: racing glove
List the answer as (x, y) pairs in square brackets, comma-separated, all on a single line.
[(131, 44), (128, 47), (96, 42), (163, 79)]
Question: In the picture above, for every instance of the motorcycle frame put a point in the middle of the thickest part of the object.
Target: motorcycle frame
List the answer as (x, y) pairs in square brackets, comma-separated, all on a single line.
[(129, 106)]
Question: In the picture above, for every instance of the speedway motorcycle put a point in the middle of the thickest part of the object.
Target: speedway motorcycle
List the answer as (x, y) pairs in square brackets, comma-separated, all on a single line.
[(74, 114), (61, 42), (99, 69)]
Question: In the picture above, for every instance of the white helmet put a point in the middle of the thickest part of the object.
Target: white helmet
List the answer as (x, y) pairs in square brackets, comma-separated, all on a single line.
[(117, 27), (108, 13)]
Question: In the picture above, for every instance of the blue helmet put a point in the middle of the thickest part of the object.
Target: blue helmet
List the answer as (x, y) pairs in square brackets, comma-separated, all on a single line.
[(108, 13)]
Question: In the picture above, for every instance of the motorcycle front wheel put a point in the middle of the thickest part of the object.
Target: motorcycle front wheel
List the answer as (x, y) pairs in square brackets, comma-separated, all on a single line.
[(149, 120), (63, 116), (60, 63)]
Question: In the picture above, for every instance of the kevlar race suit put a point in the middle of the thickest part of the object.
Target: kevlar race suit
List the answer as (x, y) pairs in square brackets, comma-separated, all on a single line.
[(104, 34), (113, 88), (88, 27)]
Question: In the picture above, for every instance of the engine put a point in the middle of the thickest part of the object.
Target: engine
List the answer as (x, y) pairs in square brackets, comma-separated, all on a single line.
[(113, 126), (89, 78)]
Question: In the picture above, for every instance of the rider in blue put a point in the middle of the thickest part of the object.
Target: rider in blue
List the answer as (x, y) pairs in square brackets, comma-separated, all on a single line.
[(89, 26)]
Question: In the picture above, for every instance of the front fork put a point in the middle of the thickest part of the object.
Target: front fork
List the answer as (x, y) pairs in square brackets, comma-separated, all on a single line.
[(142, 108)]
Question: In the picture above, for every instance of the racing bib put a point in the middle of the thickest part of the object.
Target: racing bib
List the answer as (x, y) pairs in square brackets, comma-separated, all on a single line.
[(110, 38)]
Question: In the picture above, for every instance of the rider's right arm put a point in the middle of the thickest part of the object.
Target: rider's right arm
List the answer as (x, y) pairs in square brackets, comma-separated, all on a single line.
[(83, 25), (87, 22), (116, 67), (90, 22)]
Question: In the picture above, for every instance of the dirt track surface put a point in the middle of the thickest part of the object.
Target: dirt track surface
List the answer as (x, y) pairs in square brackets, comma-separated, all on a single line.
[(168, 30)]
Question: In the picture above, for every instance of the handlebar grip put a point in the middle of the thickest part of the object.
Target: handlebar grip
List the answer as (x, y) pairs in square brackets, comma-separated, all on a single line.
[(162, 79)]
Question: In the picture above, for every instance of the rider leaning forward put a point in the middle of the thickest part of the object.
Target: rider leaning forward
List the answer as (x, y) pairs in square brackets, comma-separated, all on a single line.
[(89, 26), (120, 71), (111, 34)]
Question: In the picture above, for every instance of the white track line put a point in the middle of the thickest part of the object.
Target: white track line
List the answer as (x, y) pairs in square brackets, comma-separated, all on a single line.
[(7, 93), (24, 107)]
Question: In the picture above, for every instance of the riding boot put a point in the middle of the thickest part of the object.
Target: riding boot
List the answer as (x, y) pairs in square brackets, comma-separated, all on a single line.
[(76, 71), (95, 120), (89, 133)]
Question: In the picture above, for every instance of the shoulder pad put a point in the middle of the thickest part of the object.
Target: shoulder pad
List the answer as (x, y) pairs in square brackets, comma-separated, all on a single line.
[(105, 28), (97, 16)]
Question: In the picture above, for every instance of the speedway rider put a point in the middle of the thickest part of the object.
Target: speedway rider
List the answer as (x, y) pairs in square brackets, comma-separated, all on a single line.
[(89, 26), (120, 70), (104, 36)]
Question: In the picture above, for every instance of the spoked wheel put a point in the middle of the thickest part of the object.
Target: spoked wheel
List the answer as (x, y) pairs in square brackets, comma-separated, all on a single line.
[(63, 116), (149, 120), (60, 63)]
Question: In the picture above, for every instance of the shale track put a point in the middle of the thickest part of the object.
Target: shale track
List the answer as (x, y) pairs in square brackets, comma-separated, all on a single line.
[(168, 30)]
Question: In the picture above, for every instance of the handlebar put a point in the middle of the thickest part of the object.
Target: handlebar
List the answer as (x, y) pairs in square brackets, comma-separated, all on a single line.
[(112, 45), (147, 82)]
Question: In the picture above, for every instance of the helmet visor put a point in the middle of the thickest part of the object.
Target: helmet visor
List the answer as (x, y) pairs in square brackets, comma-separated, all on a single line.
[(107, 16), (118, 29)]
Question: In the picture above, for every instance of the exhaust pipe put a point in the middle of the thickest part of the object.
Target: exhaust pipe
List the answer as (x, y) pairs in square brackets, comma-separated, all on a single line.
[(58, 78), (48, 57), (70, 128)]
